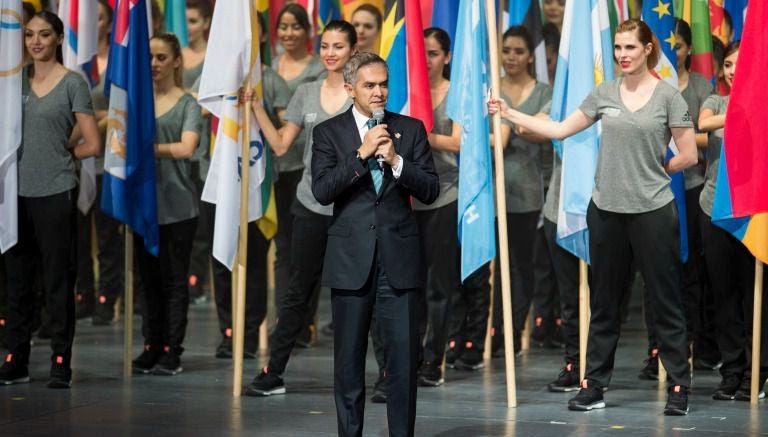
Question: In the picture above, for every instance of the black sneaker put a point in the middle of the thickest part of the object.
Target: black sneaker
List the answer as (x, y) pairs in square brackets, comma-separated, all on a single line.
[(452, 353), (169, 363), (61, 374), (224, 349), (380, 390), (430, 375), (651, 369), (677, 401), (144, 363), (266, 384), (744, 392), (13, 371), (590, 397), (471, 358), (104, 312), (568, 380), (83, 305), (726, 391)]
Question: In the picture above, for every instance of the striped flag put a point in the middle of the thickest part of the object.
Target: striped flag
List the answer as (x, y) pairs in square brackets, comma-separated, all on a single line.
[(327, 10), (696, 14), (618, 12), (11, 63), (81, 36), (527, 13), (402, 46), (233, 60), (584, 62), (741, 193), (128, 189), (442, 14), (470, 80), (717, 21), (659, 15)]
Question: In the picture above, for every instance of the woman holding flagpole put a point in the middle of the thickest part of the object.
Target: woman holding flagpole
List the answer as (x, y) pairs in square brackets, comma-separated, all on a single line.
[(311, 104), (166, 297), (54, 100), (524, 185), (296, 65), (631, 201), (729, 263)]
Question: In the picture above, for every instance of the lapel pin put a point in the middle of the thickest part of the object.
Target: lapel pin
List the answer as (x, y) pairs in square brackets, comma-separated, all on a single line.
[(397, 135)]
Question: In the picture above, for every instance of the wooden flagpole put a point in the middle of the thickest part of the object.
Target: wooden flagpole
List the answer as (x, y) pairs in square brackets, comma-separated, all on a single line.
[(584, 316), (238, 300), (501, 205), (128, 304), (757, 319)]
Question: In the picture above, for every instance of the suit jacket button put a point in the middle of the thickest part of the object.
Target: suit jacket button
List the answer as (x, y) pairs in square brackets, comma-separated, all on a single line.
[(377, 203), (372, 228)]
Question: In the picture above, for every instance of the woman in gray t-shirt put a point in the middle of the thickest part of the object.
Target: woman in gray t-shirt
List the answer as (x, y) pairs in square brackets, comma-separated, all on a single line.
[(53, 99), (166, 296), (312, 103), (632, 215), (729, 263)]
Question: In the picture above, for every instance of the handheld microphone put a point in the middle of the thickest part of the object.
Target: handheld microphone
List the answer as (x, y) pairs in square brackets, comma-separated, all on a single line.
[(378, 115)]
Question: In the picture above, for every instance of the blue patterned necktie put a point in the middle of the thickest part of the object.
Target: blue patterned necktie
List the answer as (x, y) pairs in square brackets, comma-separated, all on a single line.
[(373, 165)]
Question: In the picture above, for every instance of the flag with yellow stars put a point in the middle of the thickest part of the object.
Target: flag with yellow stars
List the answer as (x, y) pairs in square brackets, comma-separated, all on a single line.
[(660, 17)]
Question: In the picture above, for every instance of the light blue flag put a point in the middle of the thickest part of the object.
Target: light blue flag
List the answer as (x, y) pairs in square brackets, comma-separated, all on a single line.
[(584, 61), (176, 20), (466, 105)]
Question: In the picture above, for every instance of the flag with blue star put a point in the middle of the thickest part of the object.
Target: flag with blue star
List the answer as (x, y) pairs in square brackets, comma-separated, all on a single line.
[(660, 17)]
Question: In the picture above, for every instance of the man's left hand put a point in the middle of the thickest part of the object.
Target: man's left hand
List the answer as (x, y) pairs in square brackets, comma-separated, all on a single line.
[(387, 151)]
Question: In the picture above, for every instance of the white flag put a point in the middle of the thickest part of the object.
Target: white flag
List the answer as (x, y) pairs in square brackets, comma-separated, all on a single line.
[(231, 56), (11, 64)]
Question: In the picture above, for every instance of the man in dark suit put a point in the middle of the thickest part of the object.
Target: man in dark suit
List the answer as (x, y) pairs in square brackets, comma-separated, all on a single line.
[(373, 260)]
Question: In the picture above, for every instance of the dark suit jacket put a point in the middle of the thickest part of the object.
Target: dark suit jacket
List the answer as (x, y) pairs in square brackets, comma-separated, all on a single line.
[(361, 218)]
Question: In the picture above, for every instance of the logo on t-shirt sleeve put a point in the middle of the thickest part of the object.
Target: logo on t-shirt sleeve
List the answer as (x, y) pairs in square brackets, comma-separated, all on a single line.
[(687, 116)]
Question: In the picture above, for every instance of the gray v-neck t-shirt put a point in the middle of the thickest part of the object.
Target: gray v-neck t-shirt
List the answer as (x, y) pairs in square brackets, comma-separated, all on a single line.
[(306, 112), (292, 160), (718, 105), (446, 163), (46, 165), (177, 196), (695, 94), (523, 173), (630, 176)]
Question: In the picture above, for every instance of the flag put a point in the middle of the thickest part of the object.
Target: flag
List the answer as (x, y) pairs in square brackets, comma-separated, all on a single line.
[(584, 62), (618, 12), (327, 10), (233, 58), (527, 13), (442, 14), (128, 188), (738, 11), (467, 107), (81, 36), (717, 21), (11, 64), (741, 193), (402, 46), (176, 20), (696, 14), (659, 16)]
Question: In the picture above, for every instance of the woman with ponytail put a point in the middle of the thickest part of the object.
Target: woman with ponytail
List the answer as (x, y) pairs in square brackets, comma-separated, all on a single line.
[(632, 213)]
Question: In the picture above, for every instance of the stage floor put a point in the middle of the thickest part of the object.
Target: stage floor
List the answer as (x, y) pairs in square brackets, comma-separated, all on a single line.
[(199, 401)]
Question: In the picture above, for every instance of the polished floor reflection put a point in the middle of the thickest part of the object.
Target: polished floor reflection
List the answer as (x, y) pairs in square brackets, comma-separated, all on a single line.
[(198, 402)]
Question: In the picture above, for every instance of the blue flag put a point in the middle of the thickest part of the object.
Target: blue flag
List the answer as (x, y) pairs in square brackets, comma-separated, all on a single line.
[(584, 62), (737, 9), (466, 105), (660, 17), (176, 20), (128, 191)]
